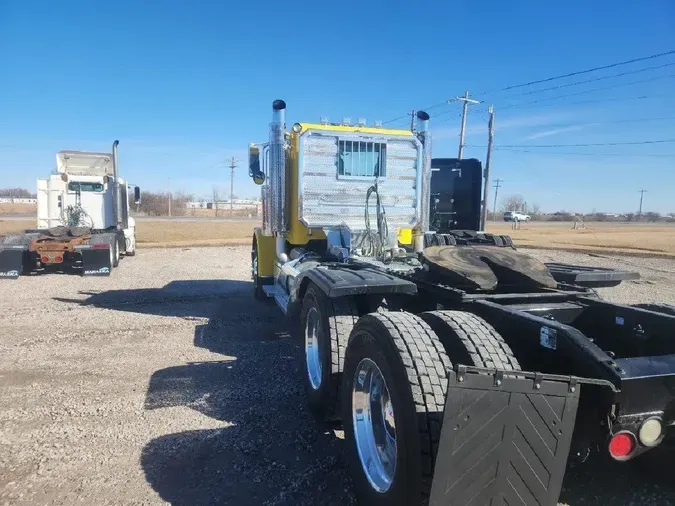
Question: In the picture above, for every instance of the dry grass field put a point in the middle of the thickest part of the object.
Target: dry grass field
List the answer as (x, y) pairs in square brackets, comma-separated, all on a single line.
[(168, 233), (25, 209), (629, 238), (637, 239)]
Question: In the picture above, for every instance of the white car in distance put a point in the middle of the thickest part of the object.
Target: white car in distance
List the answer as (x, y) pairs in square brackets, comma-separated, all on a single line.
[(516, 216)]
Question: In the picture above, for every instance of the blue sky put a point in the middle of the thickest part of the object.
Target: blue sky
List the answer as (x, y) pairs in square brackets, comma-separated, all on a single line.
[(186, 85)]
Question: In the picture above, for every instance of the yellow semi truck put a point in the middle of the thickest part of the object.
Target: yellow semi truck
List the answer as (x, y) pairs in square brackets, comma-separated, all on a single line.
[(455, 362)]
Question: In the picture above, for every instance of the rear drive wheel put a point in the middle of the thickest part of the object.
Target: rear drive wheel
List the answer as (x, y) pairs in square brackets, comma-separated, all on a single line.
[(326, 324), (116, 251), (258, 292), (393, 394), (470, 340)]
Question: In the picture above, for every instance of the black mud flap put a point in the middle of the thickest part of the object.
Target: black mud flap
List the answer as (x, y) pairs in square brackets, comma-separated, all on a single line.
[(505, 439), (95, 260), (11, 261)]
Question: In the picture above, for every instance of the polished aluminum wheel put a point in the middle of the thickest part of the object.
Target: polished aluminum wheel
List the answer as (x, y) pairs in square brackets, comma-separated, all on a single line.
[(312, 355), (374, 425)]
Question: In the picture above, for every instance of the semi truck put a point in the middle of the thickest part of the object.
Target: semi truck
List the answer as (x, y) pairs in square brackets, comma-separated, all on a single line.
[(83, 219), (463, 370)]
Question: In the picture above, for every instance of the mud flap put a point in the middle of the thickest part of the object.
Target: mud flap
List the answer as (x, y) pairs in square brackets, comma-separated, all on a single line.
[(505, 438), (95, 259), (11, 261)]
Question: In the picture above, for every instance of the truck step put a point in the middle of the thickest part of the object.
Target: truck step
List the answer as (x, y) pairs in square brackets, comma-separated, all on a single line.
[(280, 296)]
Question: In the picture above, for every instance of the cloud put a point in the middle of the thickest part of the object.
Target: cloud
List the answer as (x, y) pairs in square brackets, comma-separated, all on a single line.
[(555, 131)]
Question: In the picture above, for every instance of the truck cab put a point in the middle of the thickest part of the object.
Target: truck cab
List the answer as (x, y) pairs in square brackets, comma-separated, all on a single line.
[(336, 190)]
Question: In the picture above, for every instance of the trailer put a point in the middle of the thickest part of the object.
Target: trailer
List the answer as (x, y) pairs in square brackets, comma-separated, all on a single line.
[(463, 370), (83, 220)]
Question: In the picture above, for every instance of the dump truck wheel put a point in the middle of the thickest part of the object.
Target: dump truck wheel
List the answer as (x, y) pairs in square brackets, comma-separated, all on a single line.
[(507, 241), (657, 307), (470, 340), (326, 324), (393, 395)]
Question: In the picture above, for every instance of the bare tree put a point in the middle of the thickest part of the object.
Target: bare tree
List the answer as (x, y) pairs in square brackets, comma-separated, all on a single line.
[(216, 198), (16, 193), (513, 203)]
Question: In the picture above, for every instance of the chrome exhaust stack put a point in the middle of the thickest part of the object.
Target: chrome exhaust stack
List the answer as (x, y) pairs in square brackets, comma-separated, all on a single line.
[(116, 175), (277, 173), (423, 182)]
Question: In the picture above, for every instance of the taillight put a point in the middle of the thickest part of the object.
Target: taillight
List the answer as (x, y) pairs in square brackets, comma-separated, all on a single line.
[(621, 445), (44, 260), (59, 259)]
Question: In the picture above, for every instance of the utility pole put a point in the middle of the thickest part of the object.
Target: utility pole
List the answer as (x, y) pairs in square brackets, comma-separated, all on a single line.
[(465, 107), (412, 120), (642, 194), (233, 164), (169, 197), (486, 176), (496, 187)]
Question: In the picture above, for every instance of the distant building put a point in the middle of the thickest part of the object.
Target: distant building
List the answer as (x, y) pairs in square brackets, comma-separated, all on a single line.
[(17, 201)]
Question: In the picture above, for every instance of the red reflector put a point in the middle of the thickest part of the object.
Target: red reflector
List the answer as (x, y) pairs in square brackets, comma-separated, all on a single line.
[(44, 260), (621, 445), (59, 259), (100, 246)]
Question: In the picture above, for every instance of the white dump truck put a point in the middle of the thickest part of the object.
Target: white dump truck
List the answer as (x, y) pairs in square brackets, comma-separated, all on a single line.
[(83, 221)]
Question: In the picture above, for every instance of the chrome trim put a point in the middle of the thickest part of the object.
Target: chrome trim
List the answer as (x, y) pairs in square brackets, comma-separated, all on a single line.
[(374, 425)]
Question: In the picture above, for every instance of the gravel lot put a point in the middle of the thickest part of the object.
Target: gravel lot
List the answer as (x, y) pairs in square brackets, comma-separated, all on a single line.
[(167, 382)]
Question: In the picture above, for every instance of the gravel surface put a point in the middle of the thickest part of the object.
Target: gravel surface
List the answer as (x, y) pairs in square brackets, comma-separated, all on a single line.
[(167, 382)]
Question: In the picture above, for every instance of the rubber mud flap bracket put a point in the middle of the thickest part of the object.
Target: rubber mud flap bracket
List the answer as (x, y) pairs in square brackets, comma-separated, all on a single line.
[(11, 261), (503, 441)]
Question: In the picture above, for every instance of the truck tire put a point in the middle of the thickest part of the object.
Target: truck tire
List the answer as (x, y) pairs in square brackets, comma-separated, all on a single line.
[(507, 241), (657, 307), (396, 359), (325, 325), (116, 251), (258, 291), (470, 340)]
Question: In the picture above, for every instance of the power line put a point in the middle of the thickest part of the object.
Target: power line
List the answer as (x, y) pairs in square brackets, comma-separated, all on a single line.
[(577, 83), (571, 74), (549, 79), (660, 141), (589, 91), (566, 153), (593, 101)]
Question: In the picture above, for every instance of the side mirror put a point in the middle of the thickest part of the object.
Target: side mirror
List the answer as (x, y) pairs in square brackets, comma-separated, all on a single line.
[(254, 171), (137, 195)]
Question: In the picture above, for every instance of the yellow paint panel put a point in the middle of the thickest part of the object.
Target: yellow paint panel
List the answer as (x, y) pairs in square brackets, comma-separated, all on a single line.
[(355, 129), (266, 253), (405, 236)]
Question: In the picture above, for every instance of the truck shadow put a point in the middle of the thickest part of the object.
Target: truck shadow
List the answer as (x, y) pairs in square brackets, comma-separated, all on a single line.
[(262, 447), (256, 443)]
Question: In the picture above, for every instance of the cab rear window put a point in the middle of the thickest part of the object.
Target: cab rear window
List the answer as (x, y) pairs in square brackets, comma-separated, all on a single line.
[(74, 186)]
